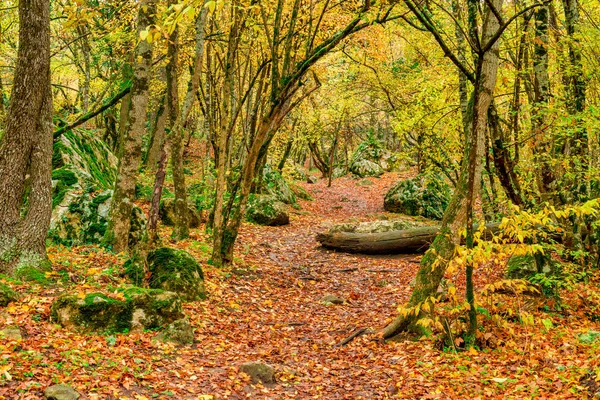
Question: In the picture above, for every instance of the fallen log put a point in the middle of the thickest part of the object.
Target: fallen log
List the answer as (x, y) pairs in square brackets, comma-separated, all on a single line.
[(415, 240)]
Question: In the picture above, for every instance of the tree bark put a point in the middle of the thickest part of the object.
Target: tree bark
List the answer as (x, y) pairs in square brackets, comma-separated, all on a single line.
[(130, 154), (26, 147), (158, 137)]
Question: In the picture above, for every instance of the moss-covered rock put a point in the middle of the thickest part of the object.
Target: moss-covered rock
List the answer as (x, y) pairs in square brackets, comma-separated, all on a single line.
[(526, 266), (424, 196), (7, 295), (82, 218), (275, 185), (84, 173), (168, 215), (85, 154), (364, 168), (131, 309), (259, 372), (373, 151), (170, 269), (294, 171), (267, 210)]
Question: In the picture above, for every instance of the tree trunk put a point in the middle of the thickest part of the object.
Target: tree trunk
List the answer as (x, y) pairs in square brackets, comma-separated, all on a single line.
[(158, 137), (406, 241), (541, 87), (435, 261), (130, 154), (26, 147)]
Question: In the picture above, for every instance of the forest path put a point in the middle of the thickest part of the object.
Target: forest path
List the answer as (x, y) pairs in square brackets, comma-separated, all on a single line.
[(271, 310)]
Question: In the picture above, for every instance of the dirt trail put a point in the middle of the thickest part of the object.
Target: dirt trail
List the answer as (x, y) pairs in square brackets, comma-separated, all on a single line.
[(281, 319)]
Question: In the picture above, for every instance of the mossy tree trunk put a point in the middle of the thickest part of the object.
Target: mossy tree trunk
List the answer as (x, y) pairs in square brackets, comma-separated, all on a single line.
[(130, 151), (26, 147), (457, 215)]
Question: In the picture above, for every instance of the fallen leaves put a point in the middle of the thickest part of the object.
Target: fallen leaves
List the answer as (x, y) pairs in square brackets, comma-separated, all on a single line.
[(263, 309)]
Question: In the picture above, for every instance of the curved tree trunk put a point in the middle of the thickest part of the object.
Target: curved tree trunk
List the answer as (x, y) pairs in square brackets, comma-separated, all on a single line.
[(26, 147), (130, 152), (435, 261)]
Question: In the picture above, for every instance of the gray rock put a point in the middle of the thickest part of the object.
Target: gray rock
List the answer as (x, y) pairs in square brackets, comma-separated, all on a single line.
[(179, 332), (332, 299), (259, 372), (312, 179), (61, 392), (11, 333)]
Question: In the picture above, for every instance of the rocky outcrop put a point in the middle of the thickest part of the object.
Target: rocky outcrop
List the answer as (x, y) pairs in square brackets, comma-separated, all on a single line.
[(82, 218), (364, 168), (84, 171)]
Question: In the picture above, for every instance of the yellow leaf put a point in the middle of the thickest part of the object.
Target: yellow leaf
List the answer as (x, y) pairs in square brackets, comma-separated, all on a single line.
[(211, 6), (144, 34)]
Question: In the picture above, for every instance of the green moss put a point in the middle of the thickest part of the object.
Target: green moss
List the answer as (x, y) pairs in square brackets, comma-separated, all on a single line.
[(31, 274), (173, 270), (7, 295), (66, 176), (426, 196), (134, 270), (66, 179)]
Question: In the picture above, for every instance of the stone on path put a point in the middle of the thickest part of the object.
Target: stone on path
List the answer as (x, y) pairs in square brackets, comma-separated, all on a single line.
[(11, 333), (61, 392), (259, 371), (332, 299), (178, 332)]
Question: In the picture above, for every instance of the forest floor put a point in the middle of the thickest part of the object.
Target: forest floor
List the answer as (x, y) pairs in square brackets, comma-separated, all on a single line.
[(267, 307)]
